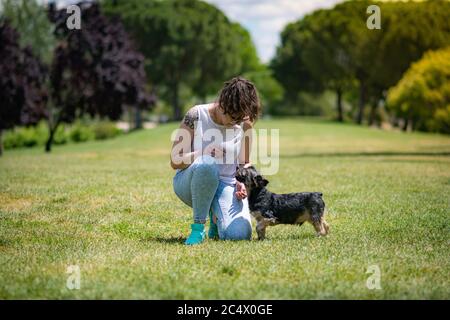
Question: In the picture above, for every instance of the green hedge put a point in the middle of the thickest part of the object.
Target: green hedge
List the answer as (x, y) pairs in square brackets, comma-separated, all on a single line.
[(105, 130), (81, 133), (21, 137)]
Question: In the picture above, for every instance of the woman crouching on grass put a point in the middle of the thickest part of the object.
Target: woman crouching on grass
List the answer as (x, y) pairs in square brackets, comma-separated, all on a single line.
[(211, 141)]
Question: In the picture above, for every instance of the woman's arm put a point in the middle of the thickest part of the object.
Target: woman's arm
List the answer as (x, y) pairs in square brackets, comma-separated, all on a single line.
[(244, 157), (246, 144), (182, 155)]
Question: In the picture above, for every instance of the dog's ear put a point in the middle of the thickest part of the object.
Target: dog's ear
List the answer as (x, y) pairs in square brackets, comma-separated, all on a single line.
[(265, 182), (260, 181)]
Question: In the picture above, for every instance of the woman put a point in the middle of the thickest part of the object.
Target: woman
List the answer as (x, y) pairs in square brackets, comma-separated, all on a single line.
[(211, 141)]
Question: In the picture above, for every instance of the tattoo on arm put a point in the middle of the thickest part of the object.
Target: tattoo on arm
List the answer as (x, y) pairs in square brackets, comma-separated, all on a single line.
[(190, 117)]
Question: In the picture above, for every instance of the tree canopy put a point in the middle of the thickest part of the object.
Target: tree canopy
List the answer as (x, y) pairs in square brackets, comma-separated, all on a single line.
[(332, 49), (30, 20), (186, 43), (22, 77)]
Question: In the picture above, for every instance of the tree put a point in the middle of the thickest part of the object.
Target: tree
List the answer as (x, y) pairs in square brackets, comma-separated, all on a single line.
[(219, 39), (314, 56), (185, 42), (270, 90), (95, 70), (21, 78), (248, 56), (327, 53), (31, 22), (422, 96), (288, 67)]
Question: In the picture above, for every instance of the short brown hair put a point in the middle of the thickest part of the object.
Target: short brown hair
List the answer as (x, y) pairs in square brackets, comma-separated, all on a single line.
[(239, 99)]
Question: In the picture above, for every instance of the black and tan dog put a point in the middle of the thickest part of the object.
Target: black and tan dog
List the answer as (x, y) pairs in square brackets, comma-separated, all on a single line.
[(270, 209)]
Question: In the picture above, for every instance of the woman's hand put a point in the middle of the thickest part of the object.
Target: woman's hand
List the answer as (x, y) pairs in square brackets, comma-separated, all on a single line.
[(241, 192)]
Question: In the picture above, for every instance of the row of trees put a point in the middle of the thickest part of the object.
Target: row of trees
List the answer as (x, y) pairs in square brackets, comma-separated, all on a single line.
[(97, 70), (334, 50), (65, 74), (48, 71)]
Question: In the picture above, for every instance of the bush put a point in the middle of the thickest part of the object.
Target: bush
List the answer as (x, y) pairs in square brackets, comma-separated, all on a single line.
[(20, 137), (105, 130), (29, 136), (81, 133), (61, 135), (12, 139), (25, 137)]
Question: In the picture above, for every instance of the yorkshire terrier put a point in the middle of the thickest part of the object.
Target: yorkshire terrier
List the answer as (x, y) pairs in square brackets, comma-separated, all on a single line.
[(270, 209)]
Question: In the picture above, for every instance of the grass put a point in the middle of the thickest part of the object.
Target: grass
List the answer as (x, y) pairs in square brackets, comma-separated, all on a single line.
[(109, 208)]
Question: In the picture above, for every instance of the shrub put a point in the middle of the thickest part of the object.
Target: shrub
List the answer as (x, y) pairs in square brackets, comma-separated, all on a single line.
[(105, 130), (12, 139), (29, 136), (81, 133), (20, 137), (25, 137), (61, 135)]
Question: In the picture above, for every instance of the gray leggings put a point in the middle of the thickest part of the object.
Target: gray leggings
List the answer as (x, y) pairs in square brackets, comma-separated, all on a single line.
[(199, 187)]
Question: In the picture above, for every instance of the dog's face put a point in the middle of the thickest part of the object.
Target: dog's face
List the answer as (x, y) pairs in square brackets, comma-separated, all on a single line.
[(250, 177)]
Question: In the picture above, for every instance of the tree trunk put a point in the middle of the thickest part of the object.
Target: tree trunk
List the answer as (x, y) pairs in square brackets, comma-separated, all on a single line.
[(1, 142), (395, 122), (340, 115), (405, 124), (138, 118), (373, 113), (129, 109), (48, 144), (175, 103), (414, 123), (362, 102)]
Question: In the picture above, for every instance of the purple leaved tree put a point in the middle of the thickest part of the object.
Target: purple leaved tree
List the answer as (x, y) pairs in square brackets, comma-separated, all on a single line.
[(22, 77), (96, 70)]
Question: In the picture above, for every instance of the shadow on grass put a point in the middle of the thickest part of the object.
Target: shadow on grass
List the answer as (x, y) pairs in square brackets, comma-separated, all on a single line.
[(299, 236), (168, 240), (366, 154), (415, 161)]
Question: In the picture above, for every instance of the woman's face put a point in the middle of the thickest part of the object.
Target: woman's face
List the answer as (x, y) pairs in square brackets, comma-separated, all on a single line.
[(231, 121)]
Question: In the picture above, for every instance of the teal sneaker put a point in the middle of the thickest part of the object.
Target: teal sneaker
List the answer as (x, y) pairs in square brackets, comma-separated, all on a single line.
[(197, 234), (213, 232)]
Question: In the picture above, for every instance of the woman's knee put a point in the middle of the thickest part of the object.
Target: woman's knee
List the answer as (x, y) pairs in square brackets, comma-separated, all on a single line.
[(238, 229)]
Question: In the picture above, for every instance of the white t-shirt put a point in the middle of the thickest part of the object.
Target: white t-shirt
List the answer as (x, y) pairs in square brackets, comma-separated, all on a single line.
[(227, 137)]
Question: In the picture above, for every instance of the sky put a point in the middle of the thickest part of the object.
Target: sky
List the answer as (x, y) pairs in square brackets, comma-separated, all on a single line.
[(264, 19)]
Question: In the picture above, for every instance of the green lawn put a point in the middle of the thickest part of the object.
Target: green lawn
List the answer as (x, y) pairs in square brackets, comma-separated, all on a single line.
[(109, 208)]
